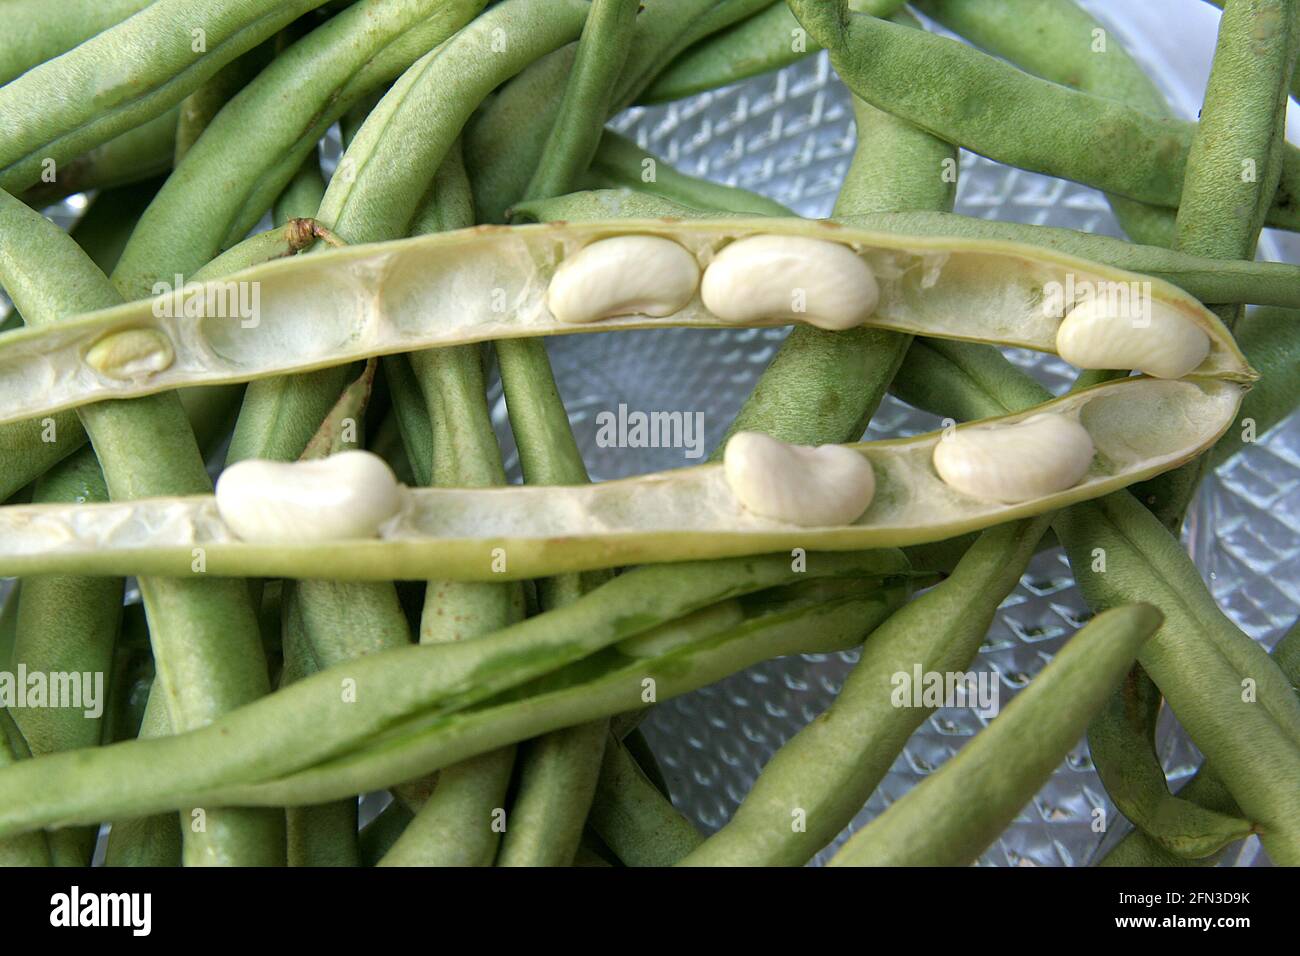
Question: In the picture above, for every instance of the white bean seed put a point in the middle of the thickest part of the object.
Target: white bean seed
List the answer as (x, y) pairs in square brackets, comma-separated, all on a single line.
[(821, 283), (131, 354), (1039, 456), (625, 275), (344, 496), (1161, 341), (812, 487)]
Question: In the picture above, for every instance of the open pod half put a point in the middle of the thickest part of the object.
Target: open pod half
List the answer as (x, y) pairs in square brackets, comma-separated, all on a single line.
[(1137, 427), (493, 282)]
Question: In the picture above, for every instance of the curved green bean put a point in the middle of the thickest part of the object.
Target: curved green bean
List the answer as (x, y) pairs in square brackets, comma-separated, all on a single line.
[(601, 52), (36, 31), (25, 849), (464, 793), (617, 686), (619, 162), (1199, 659), (1235, 162), (953, 815), (1199, 663), (458, 824), (325, 716), (1058, 40), (1094, 141), (205, 636), (256, 144), (1233, 170), (1295, 77), (124, 77), (135, 156), (789, 815), (633, 818), (1205, 789), (1121, 739)]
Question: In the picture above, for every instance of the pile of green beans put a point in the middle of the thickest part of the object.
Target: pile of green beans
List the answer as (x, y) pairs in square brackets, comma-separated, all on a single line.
[(243, 717)]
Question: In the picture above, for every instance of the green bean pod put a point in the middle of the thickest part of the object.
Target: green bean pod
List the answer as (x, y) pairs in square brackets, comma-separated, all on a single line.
[(953, 815), (29, 449), (789, 816), (1121, 554), (583, 697), (1206, 789), (1111, 146), (1121, 740), (1295, 77), (1235, 162), (395, 693), (1209, 280), (602, 50), (465, 791), (35, 31), (464, 533), (633, 818), (26, 849), (134, 156), (253, 148), (1060, 41), (619, 162), (125, 76), (32, 447), (459, 823), (334, 307)]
